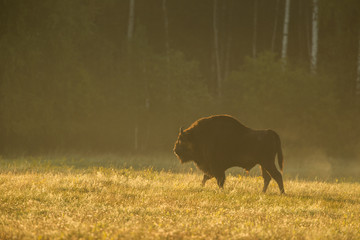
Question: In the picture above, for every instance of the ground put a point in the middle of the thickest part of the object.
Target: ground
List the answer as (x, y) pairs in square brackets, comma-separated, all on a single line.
[(73, 198)]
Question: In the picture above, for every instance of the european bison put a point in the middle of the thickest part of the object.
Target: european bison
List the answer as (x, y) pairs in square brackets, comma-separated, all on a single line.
[(219, 142)]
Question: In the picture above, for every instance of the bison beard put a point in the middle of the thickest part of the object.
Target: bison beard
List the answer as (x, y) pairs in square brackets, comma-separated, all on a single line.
[(217, 143)]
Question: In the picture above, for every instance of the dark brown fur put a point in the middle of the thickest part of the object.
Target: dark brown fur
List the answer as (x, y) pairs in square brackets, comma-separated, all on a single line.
[(219, 142)]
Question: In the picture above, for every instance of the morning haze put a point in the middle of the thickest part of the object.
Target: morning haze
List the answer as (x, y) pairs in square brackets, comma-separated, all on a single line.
[(93, 94)]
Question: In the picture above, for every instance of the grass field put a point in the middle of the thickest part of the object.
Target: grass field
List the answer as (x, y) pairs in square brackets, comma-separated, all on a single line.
[(106, 198)]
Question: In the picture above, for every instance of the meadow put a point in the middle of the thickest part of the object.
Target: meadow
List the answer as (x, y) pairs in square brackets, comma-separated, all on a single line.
[(153, 197)]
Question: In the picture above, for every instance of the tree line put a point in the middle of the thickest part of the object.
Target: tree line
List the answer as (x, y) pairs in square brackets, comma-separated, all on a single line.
[(125, 75)]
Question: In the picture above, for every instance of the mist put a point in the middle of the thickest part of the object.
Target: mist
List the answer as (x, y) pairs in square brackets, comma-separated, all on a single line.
[(109, 77)]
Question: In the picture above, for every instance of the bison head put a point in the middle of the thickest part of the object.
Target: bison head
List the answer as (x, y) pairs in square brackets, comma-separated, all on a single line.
[(184, 147)]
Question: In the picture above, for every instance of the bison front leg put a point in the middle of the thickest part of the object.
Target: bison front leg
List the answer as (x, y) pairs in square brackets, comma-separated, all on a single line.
[(220, 178), (206, 177)]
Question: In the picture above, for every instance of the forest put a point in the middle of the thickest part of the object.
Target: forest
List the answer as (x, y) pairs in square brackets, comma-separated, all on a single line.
[(124, 76)]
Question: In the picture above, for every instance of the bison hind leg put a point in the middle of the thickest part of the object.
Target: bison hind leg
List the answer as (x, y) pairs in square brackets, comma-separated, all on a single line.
[(276, 175), (267, 179), (206, 177)]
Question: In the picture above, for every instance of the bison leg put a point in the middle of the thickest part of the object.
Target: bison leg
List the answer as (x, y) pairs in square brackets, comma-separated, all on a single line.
[(206, 177), (275, 174), (266, 177), (220, 178)]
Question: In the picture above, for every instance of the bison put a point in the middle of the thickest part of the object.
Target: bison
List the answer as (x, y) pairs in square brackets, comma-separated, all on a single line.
[(219, 142)]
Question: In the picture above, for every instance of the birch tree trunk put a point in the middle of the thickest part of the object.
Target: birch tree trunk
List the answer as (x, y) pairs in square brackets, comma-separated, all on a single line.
[(275, 26), (216, 51), (358, 69), (314, 41), (166, 27), (130, 32), (227, 57), (255, 28), (308, 31), (225, 60), (167, 49), (285, 32)]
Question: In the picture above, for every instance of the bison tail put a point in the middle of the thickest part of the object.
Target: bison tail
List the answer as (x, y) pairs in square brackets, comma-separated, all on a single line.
[(280, 156), (278, 150)]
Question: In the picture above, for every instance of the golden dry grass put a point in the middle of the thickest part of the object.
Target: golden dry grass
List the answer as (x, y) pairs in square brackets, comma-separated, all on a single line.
[(49, 202)]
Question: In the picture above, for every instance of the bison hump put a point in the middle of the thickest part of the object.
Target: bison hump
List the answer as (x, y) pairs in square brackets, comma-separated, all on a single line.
[(217, 124)]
